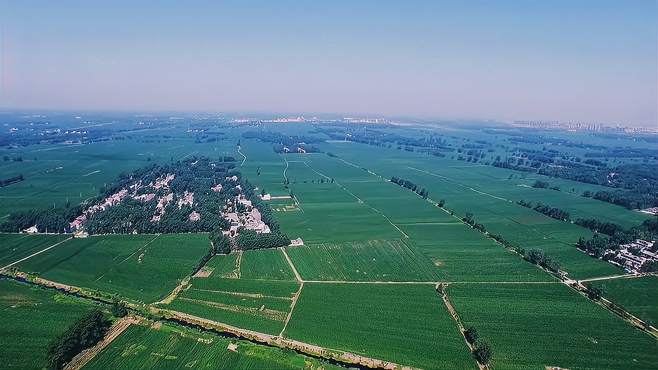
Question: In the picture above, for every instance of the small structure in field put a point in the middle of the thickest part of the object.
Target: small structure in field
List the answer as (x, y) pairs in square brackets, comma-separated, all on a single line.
[(296, 242), (31, 230), (232, 347)]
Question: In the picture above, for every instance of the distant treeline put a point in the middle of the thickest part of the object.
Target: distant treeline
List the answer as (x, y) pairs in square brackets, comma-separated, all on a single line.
[(597, 226), (280, 141)]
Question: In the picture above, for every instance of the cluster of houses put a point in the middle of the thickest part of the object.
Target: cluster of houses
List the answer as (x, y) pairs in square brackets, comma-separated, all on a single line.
[(249, 218), (241, 213), (632, 256), (108, 202), (116, 198)]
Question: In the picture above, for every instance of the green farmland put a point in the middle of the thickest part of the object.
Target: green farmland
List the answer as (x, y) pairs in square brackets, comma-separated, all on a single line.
[(174, 348), (258, 305), (533, 326), (41, 313), (14, 247), (638, 296), (406, 324), (266, 264), (373, 260), (142, 268)]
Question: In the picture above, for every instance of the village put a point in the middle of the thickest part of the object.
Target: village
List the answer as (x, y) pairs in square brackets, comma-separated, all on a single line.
[(633, 256)]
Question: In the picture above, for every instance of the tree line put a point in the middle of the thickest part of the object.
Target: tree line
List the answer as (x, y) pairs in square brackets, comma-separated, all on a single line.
[(82, 334), (411, 186), (11, 180), (595, 225)]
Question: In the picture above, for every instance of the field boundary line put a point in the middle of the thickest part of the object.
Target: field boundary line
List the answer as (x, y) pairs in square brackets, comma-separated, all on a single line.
[(36, 253), (612, 277), (292, 266), (83, 358), (440, 289), (371, 282), (292, 308)]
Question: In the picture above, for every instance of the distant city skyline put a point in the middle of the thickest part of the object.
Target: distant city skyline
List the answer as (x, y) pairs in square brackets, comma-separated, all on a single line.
[(585, 61)]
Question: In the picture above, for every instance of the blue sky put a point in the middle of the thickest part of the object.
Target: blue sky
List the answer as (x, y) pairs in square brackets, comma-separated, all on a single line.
[(592, 61)]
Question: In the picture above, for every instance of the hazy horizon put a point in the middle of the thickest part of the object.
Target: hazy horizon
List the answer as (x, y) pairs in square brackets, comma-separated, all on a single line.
[(587, 61)]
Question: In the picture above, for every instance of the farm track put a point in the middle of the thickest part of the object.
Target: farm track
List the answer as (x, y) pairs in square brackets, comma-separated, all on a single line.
[(244, 157), (36, 253), (611, 277), (455, 316), (79, 361)]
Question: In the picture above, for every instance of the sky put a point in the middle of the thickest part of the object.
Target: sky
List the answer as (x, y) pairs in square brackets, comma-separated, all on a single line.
[(566, 60)]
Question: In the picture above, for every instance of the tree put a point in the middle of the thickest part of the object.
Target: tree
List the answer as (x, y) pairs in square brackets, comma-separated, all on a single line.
[(535, 256), (483, 353), (83, 334), (118, 308), (594, 292), (471, 335)]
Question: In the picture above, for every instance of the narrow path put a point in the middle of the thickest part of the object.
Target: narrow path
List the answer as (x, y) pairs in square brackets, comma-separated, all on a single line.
[(36, 253), (440, 289), (292, 308), (174, 293), (292, 266), (371, 282), (611, 277), (244, 157), (79, 361)]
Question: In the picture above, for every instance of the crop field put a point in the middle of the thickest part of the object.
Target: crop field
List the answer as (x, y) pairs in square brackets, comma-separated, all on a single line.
[(223, 266), (531, 326), (263, 167), (473, 188), (330, 214), (139, 267), (140, 347), (13, 247), (373, 260), (638, 296), (406, 324), (463, 254), (268, 264), (259, 305), (31, 318)]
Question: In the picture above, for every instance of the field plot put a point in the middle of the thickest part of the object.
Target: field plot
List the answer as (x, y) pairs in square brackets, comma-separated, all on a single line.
[(223, 266), (373, 260), (330, 214), (263, 167), (174, 348), (534, 326), (463, 254), (31, 318), (139, 267), (258, 305), (268, 264), (473, 188), (13, 247), (407, 324), (638, 296)]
